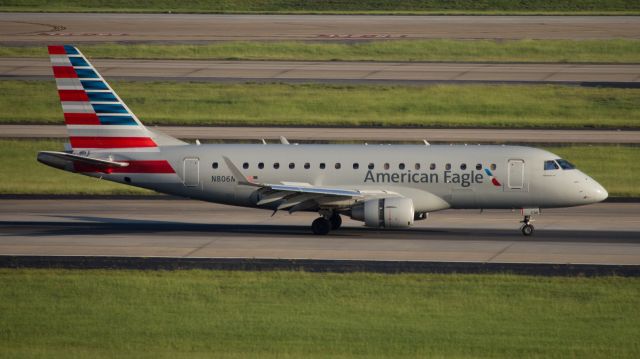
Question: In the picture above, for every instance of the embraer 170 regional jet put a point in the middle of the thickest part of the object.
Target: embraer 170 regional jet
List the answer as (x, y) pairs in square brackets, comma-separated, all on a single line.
[(385, 186)]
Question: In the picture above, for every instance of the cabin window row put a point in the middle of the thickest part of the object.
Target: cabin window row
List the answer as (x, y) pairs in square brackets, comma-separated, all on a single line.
[(356, 165)]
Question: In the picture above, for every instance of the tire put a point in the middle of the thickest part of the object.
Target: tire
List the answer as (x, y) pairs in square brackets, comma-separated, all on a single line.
[(321, 226), (527, 229), (336, 221)]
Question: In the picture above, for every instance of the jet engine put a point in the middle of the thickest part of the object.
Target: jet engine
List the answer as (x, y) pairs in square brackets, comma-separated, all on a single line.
[(393, 212)]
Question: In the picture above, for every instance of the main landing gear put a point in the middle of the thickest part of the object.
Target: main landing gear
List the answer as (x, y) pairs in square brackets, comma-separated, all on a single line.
[(329, 221)]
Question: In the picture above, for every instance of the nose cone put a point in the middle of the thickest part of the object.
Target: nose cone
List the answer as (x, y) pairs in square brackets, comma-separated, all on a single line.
[(598, 193)]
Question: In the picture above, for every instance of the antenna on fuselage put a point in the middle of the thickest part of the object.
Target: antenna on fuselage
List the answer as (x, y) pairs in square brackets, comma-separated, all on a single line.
[(197, 142), (284, 140), (426, 143), (263, 141)]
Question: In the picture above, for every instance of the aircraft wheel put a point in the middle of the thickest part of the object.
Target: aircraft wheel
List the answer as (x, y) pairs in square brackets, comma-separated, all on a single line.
[(336, 221), (321, 226), (527, 229)]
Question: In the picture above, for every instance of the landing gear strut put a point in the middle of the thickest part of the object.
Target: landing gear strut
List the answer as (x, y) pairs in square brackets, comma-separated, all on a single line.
[(527, 227)]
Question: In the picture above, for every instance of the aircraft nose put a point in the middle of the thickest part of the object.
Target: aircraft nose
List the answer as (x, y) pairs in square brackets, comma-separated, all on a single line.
[(598, 192)]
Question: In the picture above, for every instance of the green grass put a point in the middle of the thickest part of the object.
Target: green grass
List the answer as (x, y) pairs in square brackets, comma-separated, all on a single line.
[(608, 51), (336, 6), (503, 106), (617, 168), (217, 314)]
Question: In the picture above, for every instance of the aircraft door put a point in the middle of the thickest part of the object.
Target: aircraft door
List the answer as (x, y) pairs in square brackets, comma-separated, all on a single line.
[(191, 172), (515, 179)]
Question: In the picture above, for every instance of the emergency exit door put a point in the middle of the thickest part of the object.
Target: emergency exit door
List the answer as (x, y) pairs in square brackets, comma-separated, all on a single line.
[(191, 172), (516, 174)]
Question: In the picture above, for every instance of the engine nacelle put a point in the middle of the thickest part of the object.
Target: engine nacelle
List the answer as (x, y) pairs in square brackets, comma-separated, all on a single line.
[(393, 212)]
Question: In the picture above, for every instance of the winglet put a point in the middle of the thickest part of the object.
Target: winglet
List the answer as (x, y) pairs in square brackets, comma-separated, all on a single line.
[(238, 175)]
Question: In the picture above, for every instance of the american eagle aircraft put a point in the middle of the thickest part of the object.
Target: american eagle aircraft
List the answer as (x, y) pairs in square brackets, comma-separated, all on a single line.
[(384, 186)]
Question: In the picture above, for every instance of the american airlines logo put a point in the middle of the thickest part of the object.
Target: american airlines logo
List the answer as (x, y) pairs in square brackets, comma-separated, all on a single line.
[(464, 179)]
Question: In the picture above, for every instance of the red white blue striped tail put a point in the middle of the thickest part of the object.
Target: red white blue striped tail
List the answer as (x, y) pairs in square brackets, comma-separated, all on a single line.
[(97, 119)]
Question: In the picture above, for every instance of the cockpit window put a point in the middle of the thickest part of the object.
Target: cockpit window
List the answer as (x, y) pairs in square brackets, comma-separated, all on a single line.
[(566, 165), (550, 165)]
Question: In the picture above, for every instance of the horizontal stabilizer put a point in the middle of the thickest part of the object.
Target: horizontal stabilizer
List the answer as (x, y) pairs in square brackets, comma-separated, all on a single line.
[(66, 161)]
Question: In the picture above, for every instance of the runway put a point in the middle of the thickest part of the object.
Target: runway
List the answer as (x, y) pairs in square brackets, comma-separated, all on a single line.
[(17, 28), (332, 134), (607, 233), (334, 71)]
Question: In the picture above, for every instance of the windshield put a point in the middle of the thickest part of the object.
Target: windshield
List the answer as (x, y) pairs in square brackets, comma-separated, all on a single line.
[(565, 165), (550, 165)]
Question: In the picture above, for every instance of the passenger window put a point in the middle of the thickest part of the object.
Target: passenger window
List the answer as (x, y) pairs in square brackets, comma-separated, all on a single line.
[(307, 165), (447, 166), (479, 166), (356, 166), (276, 165), (417, 166), (338, 165), (493, 166), (292, 165), (214, 165), (245, 165), (565, 165), (386, 166), (401, 166), (371, 166), (432, 166), (261, 165), (463, 166), (550, 166), (322, 166)]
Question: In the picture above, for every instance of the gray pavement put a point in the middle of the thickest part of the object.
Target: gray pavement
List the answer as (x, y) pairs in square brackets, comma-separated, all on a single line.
[(443, 135), (334, 71), (607, 233), (75, 28)]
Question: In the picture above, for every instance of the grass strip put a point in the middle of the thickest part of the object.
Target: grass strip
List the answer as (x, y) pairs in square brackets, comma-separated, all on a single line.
[(335, 6), (162, 314), (500, 106), (524, 51), (616, 167)]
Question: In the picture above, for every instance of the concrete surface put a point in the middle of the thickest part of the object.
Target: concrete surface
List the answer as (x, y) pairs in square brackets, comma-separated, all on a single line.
[(607, 233), (75, 28)]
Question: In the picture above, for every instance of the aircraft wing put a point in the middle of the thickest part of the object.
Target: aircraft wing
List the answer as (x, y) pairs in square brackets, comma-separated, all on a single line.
[(294, 196)]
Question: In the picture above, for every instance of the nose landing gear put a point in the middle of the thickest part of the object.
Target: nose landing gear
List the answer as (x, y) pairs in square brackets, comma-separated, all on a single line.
[(527, 228)]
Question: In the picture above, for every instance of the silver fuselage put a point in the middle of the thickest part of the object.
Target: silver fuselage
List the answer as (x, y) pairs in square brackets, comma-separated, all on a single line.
[(459, 179)]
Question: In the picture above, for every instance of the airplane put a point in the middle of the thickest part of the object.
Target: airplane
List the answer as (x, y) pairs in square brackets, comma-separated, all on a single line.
[(384, 186)]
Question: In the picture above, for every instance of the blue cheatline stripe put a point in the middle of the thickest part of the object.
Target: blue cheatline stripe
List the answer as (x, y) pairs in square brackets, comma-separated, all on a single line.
[(70, 50), (86, 73), (109, 108), (117, 120), (78, 61), (101, 96), (94, 85)]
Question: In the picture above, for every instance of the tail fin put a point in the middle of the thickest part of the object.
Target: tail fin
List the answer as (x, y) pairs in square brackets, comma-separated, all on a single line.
[(96, 118)]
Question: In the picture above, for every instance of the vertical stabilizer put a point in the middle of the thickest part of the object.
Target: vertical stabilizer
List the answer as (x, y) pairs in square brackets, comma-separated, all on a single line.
[(96, 118)]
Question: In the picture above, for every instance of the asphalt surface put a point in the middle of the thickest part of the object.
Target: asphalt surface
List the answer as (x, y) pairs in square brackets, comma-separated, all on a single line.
[(327, 134), (607, 233), (350, 72), (23, 28)]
